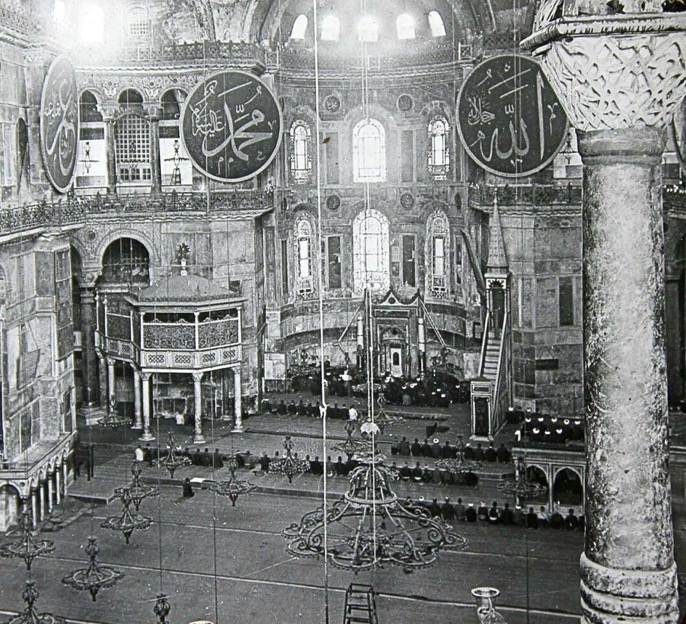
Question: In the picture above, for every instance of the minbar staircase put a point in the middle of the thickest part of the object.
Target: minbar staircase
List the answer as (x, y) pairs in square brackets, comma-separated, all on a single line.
[(360, 605), (491, 356)]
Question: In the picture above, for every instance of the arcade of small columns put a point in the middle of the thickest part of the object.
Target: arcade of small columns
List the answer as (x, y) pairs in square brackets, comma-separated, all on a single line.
[(142, 383), (40, 493)]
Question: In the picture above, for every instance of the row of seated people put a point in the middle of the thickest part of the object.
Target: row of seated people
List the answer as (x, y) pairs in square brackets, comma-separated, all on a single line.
[(447, 451), (505, 515), (307, 408), (342, 468), (551, 429)]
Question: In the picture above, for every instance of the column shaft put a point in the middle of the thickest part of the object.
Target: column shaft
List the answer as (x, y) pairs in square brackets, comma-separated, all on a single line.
[(137, 411), (58, 485), (51, 500), (237, 401), (111, 156), (88, 361), (147, 435), (627, 569), (198, 438)]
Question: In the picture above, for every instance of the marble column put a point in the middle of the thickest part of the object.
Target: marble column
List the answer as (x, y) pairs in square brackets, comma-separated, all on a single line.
[(111, 154), (147, 435), (628, 567), (111, 394), (237, 401), (198, 438), (34, 508), (88, 360), (137, 412), (58, 485), (51, 495), (619, 79), (155, 163), (65, 477)]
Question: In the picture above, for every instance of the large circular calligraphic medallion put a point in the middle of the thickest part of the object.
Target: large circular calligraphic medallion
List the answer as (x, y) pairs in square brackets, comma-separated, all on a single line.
[(59, 123), (231, 126), (509, 119)]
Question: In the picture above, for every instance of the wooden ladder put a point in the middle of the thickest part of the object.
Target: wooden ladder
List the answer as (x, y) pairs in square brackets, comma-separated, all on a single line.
[(360, 605)]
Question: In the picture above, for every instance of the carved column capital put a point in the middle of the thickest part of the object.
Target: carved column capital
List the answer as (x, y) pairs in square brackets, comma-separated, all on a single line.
[(617, 72)]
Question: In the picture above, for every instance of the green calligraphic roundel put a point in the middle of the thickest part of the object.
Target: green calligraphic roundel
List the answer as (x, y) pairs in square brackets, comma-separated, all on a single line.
[(59, 123), (231, 126), (509, 119)]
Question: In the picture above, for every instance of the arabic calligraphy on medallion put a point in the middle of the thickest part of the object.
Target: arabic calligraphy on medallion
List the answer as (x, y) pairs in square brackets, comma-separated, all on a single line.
[(59, 123), (510, 120), (231, 126)]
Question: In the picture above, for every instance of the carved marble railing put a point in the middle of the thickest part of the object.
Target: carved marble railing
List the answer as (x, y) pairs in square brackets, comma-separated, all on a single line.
[(210, 358), (76, 210), (530, 194), (239, 54), (180, 335)]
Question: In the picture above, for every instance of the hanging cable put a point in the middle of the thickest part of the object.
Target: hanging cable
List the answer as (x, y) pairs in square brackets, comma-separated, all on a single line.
[(322, 372)]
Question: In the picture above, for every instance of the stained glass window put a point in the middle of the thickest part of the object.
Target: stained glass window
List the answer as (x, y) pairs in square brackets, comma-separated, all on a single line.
[(369, 151), (439, 150), (301, 161), (438, 242), (370, 251)]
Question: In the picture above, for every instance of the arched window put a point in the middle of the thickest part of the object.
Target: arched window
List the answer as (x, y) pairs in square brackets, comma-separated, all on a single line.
[(371, 251), (438, 253), (439, 150), (436, 24), (368, 29), (299, 28), (369, 151), (126, 261), (304, 258), (301, 160), (139, 24), (405, 26), (91, 24), (331, 28)]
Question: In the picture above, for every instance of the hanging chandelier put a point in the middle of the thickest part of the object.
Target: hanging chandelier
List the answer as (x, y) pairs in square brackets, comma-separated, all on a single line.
[(350, 447), (162, 609), (137, 489), (30, 615), (95, 577), (129, 521), (233, 487), (383, 418), (371, 527), (27, 547), (290, 464), (113, 418), (458, 464), (171, 461), (521, 487)]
